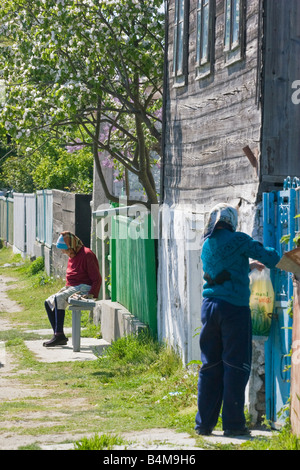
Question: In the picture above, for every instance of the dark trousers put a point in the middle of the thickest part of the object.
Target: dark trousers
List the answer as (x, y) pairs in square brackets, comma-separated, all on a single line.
[(226, 351), (56, 318)]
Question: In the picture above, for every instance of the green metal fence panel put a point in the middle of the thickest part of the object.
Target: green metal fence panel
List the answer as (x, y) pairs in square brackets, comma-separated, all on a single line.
[(133, 268)]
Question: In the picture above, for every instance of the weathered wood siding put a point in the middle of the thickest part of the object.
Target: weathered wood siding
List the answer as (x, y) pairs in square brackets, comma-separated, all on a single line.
[(210, 120), (208, 123), (281, 136)]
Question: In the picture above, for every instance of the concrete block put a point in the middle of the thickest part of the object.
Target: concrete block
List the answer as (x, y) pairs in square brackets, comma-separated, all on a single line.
[(108, 320), (48, 260), (255, 391), (97, 312), (68, 202), (124, 319), (116, 320), (38, 249)]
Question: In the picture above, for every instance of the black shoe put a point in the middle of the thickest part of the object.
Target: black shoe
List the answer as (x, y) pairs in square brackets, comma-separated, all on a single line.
[(203, 432), (56, 340), (237, 432)]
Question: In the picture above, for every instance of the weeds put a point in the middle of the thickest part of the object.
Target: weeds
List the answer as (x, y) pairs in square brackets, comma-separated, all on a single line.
[(103, 442), (283, 440)]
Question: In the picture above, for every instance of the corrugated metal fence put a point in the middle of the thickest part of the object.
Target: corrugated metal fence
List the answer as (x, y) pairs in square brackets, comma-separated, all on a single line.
[(133, 268), (131, 272), (44, 218), (7, 219)]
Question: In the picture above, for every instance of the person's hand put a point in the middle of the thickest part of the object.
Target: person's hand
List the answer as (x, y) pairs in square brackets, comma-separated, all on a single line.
[(256, 265)]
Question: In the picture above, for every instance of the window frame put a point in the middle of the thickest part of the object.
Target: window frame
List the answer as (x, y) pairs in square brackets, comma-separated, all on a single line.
[(180, 42), (204, 61), (234, 32)]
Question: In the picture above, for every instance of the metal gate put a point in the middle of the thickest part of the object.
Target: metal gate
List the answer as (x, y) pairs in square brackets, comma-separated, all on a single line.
[(279, 211)]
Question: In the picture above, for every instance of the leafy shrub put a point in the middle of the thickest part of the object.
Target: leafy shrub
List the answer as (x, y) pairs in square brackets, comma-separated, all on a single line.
[(36, 266)]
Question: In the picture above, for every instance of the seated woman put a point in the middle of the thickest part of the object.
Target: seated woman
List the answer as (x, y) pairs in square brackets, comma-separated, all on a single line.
[(82, 275)]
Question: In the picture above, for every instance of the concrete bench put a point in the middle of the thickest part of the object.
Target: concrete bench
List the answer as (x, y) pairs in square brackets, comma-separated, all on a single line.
[(76, 305)]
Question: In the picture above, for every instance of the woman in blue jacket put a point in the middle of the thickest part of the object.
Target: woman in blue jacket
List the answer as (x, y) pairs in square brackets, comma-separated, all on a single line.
[(226, 334)]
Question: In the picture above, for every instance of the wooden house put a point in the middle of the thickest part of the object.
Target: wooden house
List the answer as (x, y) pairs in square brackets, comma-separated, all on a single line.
[(232, 93)]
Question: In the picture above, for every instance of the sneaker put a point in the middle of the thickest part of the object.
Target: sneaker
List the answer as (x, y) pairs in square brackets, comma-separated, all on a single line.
[(237, 432), (56, 340)]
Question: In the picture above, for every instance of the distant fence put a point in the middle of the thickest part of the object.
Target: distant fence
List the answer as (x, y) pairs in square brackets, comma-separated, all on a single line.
[(7, 219), (25, 218), (29, 222), (44, 217), (24, 223)]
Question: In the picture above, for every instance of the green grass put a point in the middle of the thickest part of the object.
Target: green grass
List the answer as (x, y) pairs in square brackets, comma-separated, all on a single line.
[(283, 440), (125, 390), (105, 441), (130, 388)]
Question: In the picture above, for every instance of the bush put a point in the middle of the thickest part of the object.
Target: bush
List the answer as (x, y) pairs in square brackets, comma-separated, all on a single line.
[(36, 266)]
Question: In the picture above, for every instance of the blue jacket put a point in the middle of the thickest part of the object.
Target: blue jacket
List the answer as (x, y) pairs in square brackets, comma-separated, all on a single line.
[(225, 258)]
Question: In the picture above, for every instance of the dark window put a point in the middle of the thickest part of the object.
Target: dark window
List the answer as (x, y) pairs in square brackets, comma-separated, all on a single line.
[(180, 41), (234, 28), (205, 36)]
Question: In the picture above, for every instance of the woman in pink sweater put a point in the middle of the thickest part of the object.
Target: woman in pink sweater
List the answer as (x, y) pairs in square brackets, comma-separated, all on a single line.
[(82, 276)]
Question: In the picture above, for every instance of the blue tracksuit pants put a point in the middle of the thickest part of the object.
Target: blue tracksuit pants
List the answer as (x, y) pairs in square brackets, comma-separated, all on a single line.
[(226, 350)]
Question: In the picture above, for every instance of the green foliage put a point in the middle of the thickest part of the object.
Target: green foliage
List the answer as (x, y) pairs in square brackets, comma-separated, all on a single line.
[(283, 440), (132, 349), (84, 72), (36, 266), (99, 442), (50, 167)]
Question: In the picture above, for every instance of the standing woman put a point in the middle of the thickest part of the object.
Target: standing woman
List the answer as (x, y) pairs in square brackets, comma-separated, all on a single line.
[(226, 334), (82, 276)]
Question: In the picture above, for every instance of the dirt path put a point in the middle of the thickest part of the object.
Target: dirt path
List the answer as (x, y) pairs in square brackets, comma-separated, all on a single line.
[(15, 432), (11, 388)]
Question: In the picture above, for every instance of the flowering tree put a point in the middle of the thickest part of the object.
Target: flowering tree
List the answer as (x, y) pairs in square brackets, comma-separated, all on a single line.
[(85, 73)]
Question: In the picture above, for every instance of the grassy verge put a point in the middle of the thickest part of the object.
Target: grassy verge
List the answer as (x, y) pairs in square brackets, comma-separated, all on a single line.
[(126, 390), (139, 384)]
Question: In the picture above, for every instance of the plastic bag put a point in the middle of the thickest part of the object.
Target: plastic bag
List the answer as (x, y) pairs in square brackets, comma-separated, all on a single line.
[(261, 301)]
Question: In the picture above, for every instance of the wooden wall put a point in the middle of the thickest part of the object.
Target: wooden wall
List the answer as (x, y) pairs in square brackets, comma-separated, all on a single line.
[(281, 116), (210, 120)]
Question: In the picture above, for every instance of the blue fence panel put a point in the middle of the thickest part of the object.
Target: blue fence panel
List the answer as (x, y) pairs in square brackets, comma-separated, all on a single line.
[(280, 209), (7, 219)]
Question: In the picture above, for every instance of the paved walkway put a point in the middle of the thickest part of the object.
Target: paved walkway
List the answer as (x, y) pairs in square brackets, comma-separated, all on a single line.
[(90, 348)]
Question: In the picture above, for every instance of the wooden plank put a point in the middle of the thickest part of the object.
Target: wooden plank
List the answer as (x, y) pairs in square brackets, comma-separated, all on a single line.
[(281, 141)]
